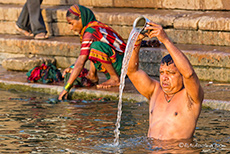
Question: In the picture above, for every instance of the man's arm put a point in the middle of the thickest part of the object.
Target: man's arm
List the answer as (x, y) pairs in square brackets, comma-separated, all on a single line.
[(190, 79), (142, 82)]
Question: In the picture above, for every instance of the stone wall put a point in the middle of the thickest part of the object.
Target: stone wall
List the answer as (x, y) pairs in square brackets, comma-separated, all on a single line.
[(187, 27), (161, 4), (197, 23), (45, 2)]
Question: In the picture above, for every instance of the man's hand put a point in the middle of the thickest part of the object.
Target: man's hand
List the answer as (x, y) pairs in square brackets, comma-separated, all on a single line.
[(64, 94), (156, 31)]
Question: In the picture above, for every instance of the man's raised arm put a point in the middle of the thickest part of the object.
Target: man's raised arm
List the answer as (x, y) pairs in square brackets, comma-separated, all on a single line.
[(190, 79), (142, 82)]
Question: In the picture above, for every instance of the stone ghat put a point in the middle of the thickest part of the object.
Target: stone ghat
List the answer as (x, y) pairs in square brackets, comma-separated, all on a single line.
[(201, 31), (45, 2), (154, 4), (212, 63), (182, 26), (161, 4)]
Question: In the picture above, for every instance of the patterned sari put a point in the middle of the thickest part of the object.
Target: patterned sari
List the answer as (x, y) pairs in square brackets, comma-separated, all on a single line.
[(99, 41)]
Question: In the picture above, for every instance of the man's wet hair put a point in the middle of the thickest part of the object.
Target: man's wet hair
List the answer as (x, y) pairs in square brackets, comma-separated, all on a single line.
[(167, 60), (71, 15)]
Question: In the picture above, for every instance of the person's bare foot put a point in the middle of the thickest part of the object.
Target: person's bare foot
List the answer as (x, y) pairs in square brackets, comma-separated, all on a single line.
[(92, 78), (24, 32), (109, 83)]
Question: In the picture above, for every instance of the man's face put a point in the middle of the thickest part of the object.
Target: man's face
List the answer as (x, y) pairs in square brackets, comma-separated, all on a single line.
[(75, 25), (170, 78)]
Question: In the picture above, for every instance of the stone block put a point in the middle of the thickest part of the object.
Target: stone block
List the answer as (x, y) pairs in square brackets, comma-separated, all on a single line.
[(45, 2), (184, 36), (178, 4), (214, 5), (218, 21), (97, 3), (25, 63), (224, 38), (61, 28), (173, 4), (9, 13), (8, 27), (127, 16), (13, 1), (49, 47), (86, 3), (213, 74), (9, 55), (188, 21), (196, 4), (64, 62), (209, 58), (138, 4), (199, 37), (151, 55), (59, 14), (102, 3), (215, 38), (47, 14), (116, 18), (151, 68), (54, 48), (71, 2)]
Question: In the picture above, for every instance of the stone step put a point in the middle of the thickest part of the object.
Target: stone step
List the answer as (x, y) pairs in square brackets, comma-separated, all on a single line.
[(63, 49), (186, 27), (45, 2), (25, 63), (210, 62), (161, 4)]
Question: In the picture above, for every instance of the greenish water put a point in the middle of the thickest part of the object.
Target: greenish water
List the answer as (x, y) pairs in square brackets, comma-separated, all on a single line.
[(29, 123)]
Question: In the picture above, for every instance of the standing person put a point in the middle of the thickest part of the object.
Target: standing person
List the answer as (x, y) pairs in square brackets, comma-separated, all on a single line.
[(176, 100), (30, 21), (100, 44)]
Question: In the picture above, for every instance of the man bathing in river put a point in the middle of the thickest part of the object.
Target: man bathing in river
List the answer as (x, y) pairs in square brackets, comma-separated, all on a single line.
[(176, 101)]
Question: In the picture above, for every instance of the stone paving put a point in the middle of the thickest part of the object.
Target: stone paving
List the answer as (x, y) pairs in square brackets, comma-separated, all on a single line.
[(217, 95)]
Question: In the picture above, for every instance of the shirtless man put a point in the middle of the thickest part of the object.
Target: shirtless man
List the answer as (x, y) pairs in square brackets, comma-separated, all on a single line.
[(175, 101)]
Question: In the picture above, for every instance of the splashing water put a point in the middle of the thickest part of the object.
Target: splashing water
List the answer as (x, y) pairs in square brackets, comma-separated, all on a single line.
[(128, 52)]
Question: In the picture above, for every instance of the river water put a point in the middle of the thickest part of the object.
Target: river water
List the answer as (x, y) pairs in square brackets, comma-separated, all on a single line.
[(33, 123)]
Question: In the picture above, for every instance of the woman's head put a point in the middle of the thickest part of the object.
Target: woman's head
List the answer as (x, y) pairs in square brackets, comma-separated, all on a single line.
[(79, 16), (71, 15)]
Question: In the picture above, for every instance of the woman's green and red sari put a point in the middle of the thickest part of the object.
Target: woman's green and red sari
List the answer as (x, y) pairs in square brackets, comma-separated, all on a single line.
[(99, 41)]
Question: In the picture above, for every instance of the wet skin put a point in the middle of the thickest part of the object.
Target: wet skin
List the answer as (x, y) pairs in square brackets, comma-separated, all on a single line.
[(174, 102), (166, 118)]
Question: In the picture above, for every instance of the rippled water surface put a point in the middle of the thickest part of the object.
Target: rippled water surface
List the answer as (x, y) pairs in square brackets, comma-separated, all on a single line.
[(31, 123)]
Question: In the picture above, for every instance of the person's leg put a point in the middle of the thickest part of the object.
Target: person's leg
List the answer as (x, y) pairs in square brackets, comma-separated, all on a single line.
[(35, 16), (114, 78), (23, 22), (106, 60), (92, 74)]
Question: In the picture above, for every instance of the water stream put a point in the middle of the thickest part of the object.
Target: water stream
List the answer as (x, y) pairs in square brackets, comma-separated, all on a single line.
[(128, 52)]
